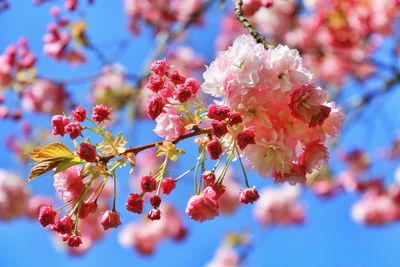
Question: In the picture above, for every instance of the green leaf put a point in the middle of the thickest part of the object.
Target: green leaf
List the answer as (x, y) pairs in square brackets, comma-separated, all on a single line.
[(67, 163)]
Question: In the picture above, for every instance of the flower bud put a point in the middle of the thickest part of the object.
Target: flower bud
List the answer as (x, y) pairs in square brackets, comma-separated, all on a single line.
[(167, 185), (216, 112), (246, 137), (214, 149), (249, 195), (79, 114), (46, 215), (218, 128), (100, 113), (148, 183), (87, 152), (155, 105), (134, 203), (154, 214), (110, 219)]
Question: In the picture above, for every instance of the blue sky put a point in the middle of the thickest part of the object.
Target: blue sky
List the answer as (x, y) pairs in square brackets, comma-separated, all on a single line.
[(328, 238)]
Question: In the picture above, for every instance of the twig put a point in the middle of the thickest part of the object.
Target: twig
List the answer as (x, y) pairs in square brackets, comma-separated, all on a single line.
[(135, 150), (248, 26)]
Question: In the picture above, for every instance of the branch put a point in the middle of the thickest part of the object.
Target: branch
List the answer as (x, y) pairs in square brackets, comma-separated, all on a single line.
[(135, 150), (248, 26)]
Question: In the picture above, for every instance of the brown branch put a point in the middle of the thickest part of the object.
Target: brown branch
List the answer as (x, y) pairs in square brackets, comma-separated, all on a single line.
[(135, 150), (248, 26)]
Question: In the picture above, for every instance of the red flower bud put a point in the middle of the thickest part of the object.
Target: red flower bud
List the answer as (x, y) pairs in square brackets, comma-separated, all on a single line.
[(167, 185), (100, 113), (154, 214), (160, 67), (218, 128), (58, 123), (216, 112), (214, 149), (110, 219), (135, 203), (155, 105), (193, 85), (64, 225), (155, 201), (183, 93), (74, 241), (249, 195), (234, 118), (46, 215), (148, 183), (155, 83), (245, 138), (87, 152), (176, 78), (79, 114), (73, 129)]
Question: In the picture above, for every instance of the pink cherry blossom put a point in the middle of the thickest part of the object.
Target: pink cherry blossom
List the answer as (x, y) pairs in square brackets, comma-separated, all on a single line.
[(279, 206), (170, 124), (69, 184), (13, 196)]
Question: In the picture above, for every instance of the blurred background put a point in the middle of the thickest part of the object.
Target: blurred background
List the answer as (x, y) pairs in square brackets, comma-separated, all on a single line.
[(351, 46)]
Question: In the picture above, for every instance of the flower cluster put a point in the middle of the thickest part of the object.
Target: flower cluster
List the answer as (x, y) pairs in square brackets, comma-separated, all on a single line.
[(173, 94), (110, 87), (17, 64), (160, 14), (13, 196), (278, 100), (57, 39), (146, 235), (45, 96), (279, 206)]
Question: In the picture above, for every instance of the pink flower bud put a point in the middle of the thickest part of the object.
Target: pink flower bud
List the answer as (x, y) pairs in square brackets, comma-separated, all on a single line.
[(100, 113), (167, 185), (46, 215), (216, 112), (110, 219), (202, 208), (160, 67), (70, 5), (135, 203), (87, 152), (73, 129), (148, 183), (214, 149), (155, 83), (58, 123), (155, 105), (193, 85), (209, 177), (176, 78), (79, 114), (246, 137), (249, 195)]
